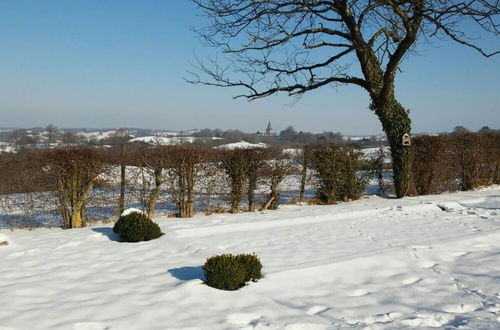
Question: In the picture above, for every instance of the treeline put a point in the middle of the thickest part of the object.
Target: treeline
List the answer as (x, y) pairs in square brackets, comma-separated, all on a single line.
[(286, 136), (186, 173)]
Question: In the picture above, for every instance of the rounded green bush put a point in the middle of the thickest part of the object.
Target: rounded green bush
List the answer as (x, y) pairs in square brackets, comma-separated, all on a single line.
[(252, 265), (136, 227), (224, 272)]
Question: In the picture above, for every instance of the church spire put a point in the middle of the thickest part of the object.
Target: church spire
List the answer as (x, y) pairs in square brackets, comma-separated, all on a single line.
[(269, 129)]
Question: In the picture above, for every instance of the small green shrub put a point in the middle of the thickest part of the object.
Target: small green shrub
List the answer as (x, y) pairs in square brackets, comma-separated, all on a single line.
[(252, 266), (136, 227), (224, 272)]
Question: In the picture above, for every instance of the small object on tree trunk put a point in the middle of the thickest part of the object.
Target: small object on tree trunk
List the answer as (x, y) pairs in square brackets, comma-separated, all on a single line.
[(406, 140)]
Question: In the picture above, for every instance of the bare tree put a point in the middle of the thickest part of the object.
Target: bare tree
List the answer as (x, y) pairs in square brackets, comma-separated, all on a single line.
[(152, 161), (185, 170), (277, 46), (71, 174), (24, 139), (51, 134), (278, 166)]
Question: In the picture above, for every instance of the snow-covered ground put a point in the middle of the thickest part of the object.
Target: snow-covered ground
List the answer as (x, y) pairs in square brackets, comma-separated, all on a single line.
[(7, 147), (242, 145), (431, 261)]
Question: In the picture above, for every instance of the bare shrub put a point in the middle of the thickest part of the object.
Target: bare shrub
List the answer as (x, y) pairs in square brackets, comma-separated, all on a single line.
[(434, 169), (472, 159)]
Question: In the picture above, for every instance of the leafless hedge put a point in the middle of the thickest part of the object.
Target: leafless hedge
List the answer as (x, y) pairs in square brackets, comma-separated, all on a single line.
[(462, 161), (71, 186)]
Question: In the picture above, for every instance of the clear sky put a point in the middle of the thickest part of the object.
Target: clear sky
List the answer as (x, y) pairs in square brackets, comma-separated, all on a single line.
[(121, 63)]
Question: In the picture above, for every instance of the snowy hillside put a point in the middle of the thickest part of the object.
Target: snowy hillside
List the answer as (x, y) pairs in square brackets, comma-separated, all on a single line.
[(242, 145), (380, 263), (163, 140)]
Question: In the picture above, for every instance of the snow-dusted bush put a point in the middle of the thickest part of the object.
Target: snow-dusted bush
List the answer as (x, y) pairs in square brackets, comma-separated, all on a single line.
[(252, 265), (224, 272), (136, 227)]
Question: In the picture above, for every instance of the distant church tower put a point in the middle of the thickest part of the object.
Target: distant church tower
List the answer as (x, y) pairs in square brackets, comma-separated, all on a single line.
[(269, 130)]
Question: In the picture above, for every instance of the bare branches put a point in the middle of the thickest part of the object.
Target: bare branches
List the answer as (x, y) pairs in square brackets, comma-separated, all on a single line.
[(295, 46), (447, 17)]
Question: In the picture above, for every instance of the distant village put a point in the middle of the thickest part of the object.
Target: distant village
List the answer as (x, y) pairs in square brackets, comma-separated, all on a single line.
[(15, 139)]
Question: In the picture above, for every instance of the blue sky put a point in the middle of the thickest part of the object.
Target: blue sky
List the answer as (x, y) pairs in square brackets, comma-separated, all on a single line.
[(121, 63)]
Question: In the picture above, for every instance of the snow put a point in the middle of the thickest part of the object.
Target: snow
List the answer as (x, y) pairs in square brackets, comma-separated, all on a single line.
[(371, 153), (242, 145), (97, 135), (3, 239), (163, 140), (131, 210), (373, 263), (169, 140), (7, 147)]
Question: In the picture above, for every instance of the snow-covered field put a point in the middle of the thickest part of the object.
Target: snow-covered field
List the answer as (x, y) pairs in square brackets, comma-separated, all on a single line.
[(431, 261)]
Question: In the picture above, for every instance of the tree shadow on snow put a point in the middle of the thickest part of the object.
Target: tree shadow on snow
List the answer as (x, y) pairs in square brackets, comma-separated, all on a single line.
[(108, 232), (188, 273)]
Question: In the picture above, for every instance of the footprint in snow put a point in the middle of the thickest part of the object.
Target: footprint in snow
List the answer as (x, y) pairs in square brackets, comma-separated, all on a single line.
[(306, 326), (431, 320), (427, 264), (316, 309), (242, 318), (90, 326), (462, 308), (411, 280), (358, 293), (22, 253), (459, 253), (379, 318), (70, 244), (427, 247), (482, 245)]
